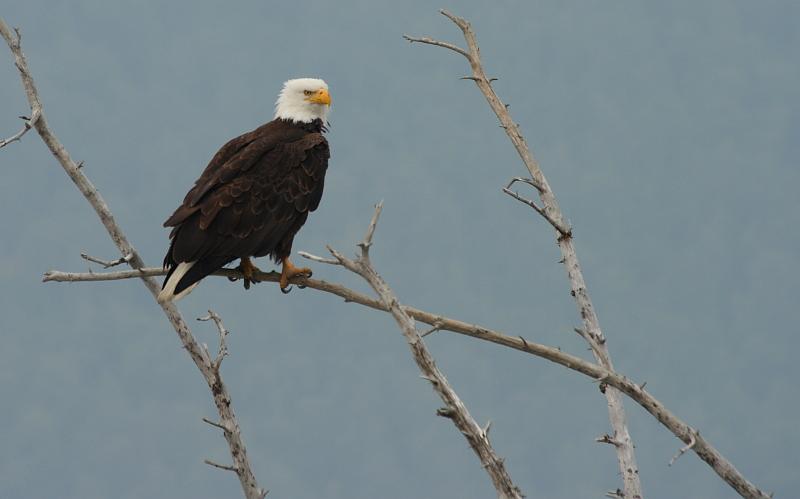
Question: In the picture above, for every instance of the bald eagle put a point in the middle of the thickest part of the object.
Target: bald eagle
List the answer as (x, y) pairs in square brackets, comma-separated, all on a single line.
[(254, 195)]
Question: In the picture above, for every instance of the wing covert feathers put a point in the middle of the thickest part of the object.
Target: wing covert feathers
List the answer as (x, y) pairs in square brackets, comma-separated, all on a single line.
[(251, 200)]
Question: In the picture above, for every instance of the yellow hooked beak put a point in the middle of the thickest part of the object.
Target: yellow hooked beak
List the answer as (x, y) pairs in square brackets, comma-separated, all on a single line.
[(321, 96)]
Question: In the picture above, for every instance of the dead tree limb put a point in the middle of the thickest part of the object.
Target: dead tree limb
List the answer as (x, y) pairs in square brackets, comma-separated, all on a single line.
[(635, 391), (591, 326), (551, 212), (454, 409), (201, 359)]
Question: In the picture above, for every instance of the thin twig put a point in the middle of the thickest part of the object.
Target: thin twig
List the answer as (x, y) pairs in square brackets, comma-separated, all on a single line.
[(607, 439), (683, 450), (221, 466), (318, 259), (525, 180), (454, 408), (214, 423), (222, 351), (222, 399), (29, 122), (107, 264), (437, 326), (563, 230), (367, 242), (431, 41)]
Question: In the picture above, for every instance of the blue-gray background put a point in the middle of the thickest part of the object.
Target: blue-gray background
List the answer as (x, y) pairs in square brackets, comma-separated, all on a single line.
[(669, 130)]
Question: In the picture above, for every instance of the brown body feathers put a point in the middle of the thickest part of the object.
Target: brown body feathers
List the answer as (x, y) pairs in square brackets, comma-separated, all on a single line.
[(251, 199)]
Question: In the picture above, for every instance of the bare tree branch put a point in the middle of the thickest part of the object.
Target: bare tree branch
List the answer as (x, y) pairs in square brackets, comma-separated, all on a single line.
[(552, 213), (454, 408), (599, 374), (221, 397), (14, 42), (437, 321)]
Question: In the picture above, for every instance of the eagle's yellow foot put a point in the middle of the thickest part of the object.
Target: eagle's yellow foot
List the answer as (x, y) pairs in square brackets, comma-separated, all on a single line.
[(248, 270), (289, 271)]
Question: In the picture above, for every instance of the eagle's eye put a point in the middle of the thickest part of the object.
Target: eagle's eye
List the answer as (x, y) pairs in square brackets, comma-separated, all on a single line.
[(307, 92)]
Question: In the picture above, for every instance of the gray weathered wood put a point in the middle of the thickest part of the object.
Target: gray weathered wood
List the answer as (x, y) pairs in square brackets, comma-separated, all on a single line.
[(591, 327), (201, 359), (629, 469), (455, 410), (636, 392)]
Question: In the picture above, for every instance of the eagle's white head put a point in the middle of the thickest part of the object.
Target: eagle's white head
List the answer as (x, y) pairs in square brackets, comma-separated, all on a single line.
[(304, 100)]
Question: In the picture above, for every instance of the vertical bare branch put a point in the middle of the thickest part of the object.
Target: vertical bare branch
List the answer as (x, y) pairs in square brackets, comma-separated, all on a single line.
[(591, 326), (203, 362), (455, 410), (550, 210)]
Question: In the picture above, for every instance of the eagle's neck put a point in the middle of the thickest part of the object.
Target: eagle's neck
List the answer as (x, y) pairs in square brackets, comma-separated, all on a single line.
[(314, 126)]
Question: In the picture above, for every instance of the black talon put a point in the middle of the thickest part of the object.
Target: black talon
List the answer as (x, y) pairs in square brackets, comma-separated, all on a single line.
[(286, 290), (302, 286), (246, 283), (233, 278)]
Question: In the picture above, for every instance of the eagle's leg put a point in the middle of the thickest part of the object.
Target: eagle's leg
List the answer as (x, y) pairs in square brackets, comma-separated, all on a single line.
[(248, 270), (289, 271)]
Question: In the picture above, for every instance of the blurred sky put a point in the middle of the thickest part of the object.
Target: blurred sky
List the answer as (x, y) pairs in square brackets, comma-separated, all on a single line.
[(670, 132)]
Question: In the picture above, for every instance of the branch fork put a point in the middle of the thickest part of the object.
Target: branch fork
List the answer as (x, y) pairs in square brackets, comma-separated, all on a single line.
[(563, 229), (222, 351), (608, 439), (199, 355), (454, 409)]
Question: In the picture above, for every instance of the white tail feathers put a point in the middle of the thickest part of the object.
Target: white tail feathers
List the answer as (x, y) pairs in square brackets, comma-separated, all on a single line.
[(168, 293)]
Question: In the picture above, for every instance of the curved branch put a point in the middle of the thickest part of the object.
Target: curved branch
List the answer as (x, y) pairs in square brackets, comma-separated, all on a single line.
[(431, 41), (201, 359), (454, 409), (636, 392), (439, 322)]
